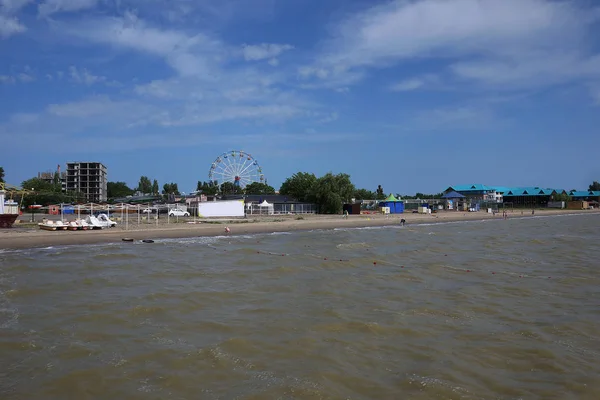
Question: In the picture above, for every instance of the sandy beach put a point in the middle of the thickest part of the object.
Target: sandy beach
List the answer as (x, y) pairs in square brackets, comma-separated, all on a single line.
[(20, 237)]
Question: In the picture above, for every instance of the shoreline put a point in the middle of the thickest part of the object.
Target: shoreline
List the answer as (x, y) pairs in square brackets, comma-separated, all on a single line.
[(28, 238)]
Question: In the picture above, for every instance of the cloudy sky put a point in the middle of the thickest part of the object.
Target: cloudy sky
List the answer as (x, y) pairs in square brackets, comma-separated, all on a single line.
[(412, 95)]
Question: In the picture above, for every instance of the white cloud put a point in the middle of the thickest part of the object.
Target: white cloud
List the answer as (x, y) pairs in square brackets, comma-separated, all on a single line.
[(24, 118), (332, 78), (191, 55), (10, 26), (533, 69), (461, 117), (264, 50), (274, 62), (12, 6), (486, 40), (84, 76), (101, 106), (425, 80), (407, 85), (402, 29), (49, 7), (198, 115), (24, 77), (7, 79), (328, 118)]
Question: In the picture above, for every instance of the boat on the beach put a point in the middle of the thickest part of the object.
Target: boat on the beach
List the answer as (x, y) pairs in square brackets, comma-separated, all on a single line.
[(9, 210), (73, 226), (76, 225), (49, 225), (100, 222)]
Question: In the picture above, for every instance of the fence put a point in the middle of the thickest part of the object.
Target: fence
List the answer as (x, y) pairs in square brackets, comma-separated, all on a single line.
[(282, 208)]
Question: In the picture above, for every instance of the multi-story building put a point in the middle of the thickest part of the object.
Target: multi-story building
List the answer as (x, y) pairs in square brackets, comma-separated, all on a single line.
[(89, 179)]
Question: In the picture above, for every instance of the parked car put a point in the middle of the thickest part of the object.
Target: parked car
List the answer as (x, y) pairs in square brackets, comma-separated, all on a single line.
[(178, 213), (148, 211)]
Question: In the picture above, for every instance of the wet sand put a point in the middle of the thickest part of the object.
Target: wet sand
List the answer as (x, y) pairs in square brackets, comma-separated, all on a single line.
[(31, 237)]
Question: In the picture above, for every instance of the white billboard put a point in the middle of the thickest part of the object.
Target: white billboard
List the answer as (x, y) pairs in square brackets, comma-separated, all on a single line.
[(225, 208)]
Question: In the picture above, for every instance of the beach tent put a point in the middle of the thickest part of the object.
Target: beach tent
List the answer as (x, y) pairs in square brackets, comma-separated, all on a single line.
[(396, 205), (266, 208)]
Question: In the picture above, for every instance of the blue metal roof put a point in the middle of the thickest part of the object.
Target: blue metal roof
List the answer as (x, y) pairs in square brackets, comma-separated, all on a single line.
[(529, 191), (477, 187), (584, 193), (452, 195)]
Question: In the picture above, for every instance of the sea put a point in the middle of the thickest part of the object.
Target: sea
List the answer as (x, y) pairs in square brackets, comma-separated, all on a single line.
[(495, 309)]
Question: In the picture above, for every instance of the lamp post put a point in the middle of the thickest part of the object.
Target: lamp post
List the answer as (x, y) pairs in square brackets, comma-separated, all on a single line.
[(31, 206)]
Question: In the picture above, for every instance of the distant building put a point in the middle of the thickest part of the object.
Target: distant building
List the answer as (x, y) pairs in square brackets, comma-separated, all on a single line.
[(278, 204), (88, 178), (49, 177), (517, 196), (477, 192)]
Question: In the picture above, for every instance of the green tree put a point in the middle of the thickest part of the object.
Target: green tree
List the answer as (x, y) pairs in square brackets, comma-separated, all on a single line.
[(171, 188), (299, 186), (44, 193), (561, 197), (207, 188), (364, 194), (330, 192), (259, 188), (155, 190), (594, 186), (1, 174), (144, 186), (426, 196), (40, 185), (230, 188), (380, 195), (118, 189)]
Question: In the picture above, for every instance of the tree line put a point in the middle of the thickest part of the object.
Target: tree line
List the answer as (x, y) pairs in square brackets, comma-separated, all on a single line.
[(329, 192)]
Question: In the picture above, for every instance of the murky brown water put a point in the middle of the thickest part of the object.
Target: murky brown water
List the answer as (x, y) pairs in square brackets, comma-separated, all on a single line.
[(476, 310)]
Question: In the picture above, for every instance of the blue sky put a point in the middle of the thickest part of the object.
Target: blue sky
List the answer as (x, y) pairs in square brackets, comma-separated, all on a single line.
[(412, 95)]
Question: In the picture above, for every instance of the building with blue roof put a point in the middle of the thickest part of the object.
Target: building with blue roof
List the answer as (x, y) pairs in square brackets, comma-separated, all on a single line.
[(585, 195), (476, 193), (528, 196)]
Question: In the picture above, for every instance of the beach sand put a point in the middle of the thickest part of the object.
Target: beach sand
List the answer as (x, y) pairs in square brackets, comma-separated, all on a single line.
[(32, 237)]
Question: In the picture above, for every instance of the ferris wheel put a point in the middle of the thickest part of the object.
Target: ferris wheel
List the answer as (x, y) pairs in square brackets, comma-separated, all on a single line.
[(237, 167)]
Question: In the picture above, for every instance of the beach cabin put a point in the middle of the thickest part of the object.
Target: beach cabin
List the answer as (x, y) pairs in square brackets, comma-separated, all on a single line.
[(453, 199), (353, 208), (396, 206)]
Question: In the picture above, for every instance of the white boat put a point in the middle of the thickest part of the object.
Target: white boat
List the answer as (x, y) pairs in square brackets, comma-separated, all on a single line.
[(83, 225), (100, 222), (48, 225)]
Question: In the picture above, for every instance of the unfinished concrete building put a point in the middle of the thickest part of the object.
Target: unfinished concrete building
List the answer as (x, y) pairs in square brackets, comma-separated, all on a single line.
[(88, 178)]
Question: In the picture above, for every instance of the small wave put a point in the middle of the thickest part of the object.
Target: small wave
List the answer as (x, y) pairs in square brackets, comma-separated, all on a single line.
[(360, 245)]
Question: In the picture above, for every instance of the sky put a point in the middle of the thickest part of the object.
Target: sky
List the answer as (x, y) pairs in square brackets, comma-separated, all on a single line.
[(412, 95)]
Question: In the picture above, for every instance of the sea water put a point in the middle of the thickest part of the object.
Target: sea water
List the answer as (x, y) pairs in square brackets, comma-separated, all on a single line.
[(500, 309)]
